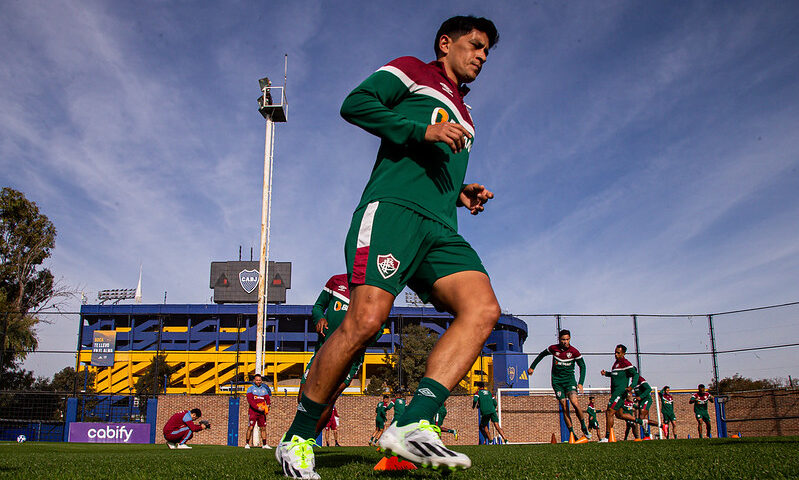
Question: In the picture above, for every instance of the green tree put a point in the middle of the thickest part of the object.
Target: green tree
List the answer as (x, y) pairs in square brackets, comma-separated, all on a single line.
[(738, 383), (152, 380), (402, 370), (27, 238)]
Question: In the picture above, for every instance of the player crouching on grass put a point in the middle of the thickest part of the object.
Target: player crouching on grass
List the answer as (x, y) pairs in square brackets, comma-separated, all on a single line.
[(259, 398), (700, 400), (181, 427), (564, 357)]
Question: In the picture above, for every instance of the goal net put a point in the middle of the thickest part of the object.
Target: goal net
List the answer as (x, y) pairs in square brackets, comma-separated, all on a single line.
[(532, 415)]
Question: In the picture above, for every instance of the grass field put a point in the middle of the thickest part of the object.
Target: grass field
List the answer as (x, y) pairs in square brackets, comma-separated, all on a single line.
[(746, 458)]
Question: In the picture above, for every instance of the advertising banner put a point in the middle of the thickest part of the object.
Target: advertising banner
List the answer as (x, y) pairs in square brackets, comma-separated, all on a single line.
[(103, 346), (87, 432)]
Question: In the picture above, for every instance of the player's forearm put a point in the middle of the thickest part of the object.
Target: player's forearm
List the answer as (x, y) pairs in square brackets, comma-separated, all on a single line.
[(251, 400), (194, 427), (368, 107), (318, 310), (633, 374), (581, 366), (539, 358)]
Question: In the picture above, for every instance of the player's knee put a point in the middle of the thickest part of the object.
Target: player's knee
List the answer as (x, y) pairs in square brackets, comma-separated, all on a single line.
[(360, 330), (486, 318)]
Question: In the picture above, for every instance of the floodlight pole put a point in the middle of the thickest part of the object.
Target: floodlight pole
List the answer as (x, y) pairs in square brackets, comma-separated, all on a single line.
[(272, 112)]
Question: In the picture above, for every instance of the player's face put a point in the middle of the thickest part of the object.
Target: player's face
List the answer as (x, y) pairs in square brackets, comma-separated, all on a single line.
[(619, 353), (194, 416), (565, 340), (257, 381), (465, 56)]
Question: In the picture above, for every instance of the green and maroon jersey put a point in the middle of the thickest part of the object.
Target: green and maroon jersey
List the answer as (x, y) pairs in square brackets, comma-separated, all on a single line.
[(628, 407), (485, 401), (700, 402), (620, 375), (563, 360), (332, 304), (642, 388), (668, 404), (397, 103), (591, 411)]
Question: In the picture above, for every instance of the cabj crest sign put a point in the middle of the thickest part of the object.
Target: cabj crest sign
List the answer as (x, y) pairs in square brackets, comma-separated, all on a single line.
[(248, 280)]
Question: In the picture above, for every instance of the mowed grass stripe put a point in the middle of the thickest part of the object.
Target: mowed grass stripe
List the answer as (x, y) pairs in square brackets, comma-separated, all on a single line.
[(771, 457)]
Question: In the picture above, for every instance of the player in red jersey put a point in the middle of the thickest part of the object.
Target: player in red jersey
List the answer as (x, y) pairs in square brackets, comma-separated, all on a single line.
[(259, 399), (181, 427), (332, 426)]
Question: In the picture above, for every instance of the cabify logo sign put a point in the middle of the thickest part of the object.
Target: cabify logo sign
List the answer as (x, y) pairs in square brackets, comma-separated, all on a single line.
[(109, 432)]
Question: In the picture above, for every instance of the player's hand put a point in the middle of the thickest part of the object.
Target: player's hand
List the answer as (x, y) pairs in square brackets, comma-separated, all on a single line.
[(474, 196), (321, 326), (530, 371), (205, 424), (603, 372), (450, 133), (580, 388)]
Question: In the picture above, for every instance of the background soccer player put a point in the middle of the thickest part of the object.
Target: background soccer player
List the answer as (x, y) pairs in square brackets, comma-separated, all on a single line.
[(381, 415), (700, 400), (564, 356), (259, 399), (399, 408), (404, 233), (438, 420), (332, 426), (593, 423), (180, 428), (622, 375), (488, 413), (643, 394), (669, 419), (629, 407), (327, 314)]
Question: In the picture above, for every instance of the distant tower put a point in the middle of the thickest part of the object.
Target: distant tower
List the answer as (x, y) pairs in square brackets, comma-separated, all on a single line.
[(137, 297)]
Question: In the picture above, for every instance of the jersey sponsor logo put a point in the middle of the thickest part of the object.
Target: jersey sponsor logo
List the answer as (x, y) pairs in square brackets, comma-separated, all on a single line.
[(248, 280), (446, 88), (338, 306), (440, 115), (387, 265), (426, 392)]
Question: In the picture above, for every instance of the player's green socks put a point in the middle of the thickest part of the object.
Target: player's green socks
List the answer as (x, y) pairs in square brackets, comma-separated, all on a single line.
[(304, 424), (571, 430), (582, 424), (429, 397)]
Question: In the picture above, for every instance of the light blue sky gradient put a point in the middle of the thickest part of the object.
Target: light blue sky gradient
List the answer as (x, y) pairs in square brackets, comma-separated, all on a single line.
[(644, 155)]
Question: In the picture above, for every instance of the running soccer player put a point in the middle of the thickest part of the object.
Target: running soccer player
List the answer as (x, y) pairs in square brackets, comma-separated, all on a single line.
[(438, 420), (629, 408), (404, 232), (381, 415), (564, 357), (700, 400), (327, 314), (669, 419), (488, 413), (399, 408), (259, 398), (593, 423), (643, 395), (181, 427), (332, 426), (622, 375)]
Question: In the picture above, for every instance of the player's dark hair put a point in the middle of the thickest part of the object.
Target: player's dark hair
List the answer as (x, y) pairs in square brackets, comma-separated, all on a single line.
[(623, 348), (197, 412), (701, 385), (564, 332), (461, 25), (257, 375)]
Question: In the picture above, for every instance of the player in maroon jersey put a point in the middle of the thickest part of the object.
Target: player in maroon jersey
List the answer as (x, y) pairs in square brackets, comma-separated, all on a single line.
[(181, 427), (700, 399)]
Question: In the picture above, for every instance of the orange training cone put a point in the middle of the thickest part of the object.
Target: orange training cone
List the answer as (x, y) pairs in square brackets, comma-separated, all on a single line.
[(394, 463), (571, 437), (554, 440), (582, 439), (612, 436)]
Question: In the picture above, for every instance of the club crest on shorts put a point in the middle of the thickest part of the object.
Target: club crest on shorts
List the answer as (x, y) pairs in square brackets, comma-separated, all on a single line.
[(248, 280), (387, 265)]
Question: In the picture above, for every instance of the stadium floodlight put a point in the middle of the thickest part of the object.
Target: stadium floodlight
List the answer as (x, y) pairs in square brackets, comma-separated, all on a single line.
[(116, 295), (272, 112)]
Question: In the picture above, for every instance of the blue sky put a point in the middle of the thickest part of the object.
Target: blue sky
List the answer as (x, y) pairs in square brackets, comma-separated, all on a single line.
[(644, 155)]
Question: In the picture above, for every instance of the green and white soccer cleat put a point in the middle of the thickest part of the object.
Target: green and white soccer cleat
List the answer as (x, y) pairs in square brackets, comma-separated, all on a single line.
[(420, 442), (297, 458)]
